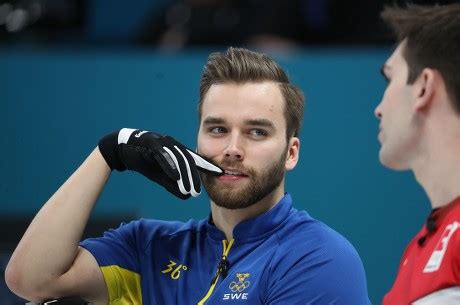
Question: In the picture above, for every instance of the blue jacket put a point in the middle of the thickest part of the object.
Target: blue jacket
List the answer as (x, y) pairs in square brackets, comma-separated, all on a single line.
[(280, 257)]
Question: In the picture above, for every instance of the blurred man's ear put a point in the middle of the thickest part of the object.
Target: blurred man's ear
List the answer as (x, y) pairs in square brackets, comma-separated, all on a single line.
[(424, 88)]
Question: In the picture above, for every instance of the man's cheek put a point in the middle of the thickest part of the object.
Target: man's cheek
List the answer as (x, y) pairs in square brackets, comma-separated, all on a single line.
[(210, 155), (208, 150)]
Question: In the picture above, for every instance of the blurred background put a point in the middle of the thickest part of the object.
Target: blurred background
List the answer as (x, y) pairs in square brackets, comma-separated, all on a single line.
[(72, 71)]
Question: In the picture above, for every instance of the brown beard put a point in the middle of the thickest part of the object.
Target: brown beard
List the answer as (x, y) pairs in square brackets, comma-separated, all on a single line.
[(261, 184)]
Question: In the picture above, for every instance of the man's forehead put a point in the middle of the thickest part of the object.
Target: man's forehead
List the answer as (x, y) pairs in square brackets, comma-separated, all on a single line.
[(254, 97), (397, 55), (242, 103)]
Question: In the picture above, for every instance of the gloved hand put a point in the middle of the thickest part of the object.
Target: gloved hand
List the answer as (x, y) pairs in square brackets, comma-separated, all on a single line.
[(159, 158)]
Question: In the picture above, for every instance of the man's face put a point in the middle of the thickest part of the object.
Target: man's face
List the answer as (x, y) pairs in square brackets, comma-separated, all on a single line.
[(243, 130), (398, 134)]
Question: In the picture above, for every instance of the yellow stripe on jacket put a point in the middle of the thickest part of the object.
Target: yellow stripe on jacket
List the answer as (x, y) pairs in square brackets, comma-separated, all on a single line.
[(124, 286)]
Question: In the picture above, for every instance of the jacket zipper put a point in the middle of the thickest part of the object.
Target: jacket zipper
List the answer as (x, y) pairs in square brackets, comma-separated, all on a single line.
[(222, 269)]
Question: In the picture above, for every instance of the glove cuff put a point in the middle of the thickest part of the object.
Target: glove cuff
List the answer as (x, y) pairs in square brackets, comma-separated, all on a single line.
[(108, 146)]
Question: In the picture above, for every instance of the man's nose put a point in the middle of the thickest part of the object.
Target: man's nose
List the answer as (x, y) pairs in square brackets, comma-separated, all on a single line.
[(234, 150)]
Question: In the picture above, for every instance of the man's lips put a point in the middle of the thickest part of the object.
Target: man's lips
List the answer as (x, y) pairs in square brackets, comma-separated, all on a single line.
[(380, 134), (231, 174), (234, 172)]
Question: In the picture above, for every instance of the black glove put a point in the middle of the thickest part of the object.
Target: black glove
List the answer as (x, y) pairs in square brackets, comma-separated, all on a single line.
[(159, 158)]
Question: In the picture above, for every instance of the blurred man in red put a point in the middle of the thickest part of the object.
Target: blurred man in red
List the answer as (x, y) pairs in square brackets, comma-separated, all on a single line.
[(420, 130)]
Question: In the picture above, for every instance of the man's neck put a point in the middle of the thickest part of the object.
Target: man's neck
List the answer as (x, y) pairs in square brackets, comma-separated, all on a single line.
[(437, 165), (226, 219), (438, 172)]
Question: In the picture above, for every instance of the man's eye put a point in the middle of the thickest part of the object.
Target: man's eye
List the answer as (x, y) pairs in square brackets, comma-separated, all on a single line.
[(259, 133), (217, 130)]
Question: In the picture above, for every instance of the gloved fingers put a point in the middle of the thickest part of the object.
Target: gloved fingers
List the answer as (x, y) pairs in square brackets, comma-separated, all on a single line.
[(181, 163), (168, 165), (172, 187), (190, 180), (188, 164), (192, 172), (205, 165), (161, 161)]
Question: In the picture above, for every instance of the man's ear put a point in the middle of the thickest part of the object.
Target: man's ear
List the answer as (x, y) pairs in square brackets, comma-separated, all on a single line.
[(424, 88), (292, 156)]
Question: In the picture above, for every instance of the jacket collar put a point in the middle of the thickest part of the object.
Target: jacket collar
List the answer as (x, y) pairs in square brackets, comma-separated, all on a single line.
[(257, 227)]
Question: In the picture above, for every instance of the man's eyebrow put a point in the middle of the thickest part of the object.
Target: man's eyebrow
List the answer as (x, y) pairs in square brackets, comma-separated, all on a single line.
[(260, 122), (213, 120), (252, 122)]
